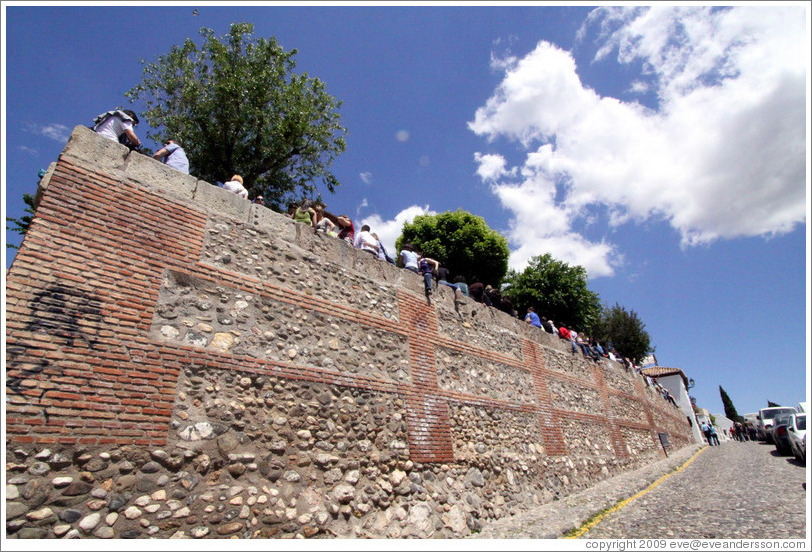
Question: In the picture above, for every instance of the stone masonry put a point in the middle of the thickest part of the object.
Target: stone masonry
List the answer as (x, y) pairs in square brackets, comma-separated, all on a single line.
[(184, 364)]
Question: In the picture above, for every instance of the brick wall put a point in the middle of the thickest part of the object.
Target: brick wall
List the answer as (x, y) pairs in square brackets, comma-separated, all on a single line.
[(134, 280)]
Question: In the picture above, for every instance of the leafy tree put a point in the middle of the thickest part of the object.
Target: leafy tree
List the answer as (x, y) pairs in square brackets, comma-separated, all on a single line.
[(21, 224), (236, 107), (626, 332), (462, 242), (557, 291), (730, 410), (771, 404)]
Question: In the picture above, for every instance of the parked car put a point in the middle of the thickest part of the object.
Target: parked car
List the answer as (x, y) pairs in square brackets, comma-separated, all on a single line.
[(778, 434), (764, 420), (796, 431)]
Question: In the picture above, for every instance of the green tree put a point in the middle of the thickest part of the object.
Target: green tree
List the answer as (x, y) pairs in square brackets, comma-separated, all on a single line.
[(627, 333), (236, 107), (21, 224), (730, 410), (460, 241), (556, 290)]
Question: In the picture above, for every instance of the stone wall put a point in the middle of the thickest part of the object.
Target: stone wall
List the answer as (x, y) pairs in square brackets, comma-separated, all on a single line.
[(181, 363)]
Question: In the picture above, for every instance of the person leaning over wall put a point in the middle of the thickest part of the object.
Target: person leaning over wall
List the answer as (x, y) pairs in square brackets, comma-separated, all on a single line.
[(235, 185), (173, 156), (532, 318), (408, 258), (365, 241), (347, 232), (117, 125)]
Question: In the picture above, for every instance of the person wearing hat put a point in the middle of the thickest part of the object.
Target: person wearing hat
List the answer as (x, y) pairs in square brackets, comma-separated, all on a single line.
[(235, 185), (116, 124), (174, 156)]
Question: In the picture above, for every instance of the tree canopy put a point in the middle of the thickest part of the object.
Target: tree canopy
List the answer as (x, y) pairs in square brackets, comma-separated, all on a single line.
[(624, 329), (555, 290), (236, 107), (460, 241)]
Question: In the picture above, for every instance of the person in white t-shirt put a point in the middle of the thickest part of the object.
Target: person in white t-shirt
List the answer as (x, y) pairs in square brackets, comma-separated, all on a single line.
[(365, 242), (174, 156), (235, 185), (113, 124)]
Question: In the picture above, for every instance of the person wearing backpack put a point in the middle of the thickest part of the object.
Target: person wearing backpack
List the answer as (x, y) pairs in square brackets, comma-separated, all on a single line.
[(117, 125), (174, 156)]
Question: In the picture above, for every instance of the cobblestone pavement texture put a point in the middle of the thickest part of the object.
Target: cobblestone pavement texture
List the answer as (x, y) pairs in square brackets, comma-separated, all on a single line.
[(736, 490)]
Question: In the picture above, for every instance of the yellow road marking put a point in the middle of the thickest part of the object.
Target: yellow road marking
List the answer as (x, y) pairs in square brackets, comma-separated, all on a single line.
[(623, 503)]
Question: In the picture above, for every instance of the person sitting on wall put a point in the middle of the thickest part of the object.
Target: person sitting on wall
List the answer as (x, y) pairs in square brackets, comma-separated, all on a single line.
[(365, 242), (173, 156), (323, 222), (532, 318), (235, 185), (408, 259), (574, 341), (259, 200), (442, 275), (564, 333), (459, 281), (347, 232), (494, 296), (477, 291), (547, 325), (117, 125), (305, 213), (382, 254), (597, 347)]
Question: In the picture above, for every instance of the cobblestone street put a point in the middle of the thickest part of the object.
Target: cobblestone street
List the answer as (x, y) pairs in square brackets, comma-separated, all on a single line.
[(736, 490)]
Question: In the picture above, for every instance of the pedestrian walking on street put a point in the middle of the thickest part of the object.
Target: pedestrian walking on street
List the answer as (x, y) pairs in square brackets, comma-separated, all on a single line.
[(714, 435), (705, 427)]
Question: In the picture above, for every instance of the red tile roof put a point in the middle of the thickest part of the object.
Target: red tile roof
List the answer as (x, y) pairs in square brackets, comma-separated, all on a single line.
[(662, 371)]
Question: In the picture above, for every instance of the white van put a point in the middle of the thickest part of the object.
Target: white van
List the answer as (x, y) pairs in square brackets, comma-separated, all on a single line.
[(801, 408), (764, 421)]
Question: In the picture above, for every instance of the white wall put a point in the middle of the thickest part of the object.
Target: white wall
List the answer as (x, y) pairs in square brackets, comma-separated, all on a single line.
[(676, 386)]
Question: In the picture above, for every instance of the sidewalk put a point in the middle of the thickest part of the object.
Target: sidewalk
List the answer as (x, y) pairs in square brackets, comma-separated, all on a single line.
[(553, 520)]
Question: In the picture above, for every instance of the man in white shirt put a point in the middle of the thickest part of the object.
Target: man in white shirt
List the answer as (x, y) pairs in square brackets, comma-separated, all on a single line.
[(365, 242), (174, 156), (113, 124)]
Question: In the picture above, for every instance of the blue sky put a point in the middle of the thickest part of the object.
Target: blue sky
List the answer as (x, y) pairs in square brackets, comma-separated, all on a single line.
[(662, 149)]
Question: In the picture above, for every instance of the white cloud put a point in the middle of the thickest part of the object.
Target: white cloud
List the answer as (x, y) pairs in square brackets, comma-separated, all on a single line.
[(364, 203), (390, 230), (30, 151), (366, 177), (491, 166), (723, 156), (54, 131), (402, 135)]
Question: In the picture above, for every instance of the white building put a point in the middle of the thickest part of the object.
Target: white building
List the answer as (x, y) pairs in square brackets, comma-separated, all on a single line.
[(723, 425), (675, 381)]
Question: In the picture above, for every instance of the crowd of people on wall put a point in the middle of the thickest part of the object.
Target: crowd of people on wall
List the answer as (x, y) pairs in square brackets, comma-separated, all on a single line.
[(118, 125)]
